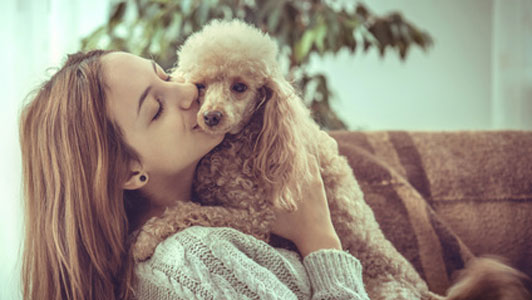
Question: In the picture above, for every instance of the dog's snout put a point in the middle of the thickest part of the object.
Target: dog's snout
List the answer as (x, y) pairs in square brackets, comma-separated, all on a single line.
[(212, 118)]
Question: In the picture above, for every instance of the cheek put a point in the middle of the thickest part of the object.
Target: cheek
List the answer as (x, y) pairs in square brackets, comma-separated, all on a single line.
[(170, 158)]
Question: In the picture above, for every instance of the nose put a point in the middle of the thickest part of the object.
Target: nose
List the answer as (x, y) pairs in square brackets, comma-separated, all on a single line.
[(212, 118), (187, 95)]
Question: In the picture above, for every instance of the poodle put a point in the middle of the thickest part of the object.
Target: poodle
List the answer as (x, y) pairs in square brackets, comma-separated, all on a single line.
[(260, 164)]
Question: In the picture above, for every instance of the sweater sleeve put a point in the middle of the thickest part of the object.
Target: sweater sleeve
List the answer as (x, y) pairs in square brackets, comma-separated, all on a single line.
[(217, 263), (222, 263), (335, 274)]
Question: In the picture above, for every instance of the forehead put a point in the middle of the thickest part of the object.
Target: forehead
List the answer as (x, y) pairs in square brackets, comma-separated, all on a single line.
[(217, 73), (119, 66), (126, 76)]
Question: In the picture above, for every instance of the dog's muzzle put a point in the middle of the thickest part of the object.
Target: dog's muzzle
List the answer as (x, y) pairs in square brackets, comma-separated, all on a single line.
[(212, 118)]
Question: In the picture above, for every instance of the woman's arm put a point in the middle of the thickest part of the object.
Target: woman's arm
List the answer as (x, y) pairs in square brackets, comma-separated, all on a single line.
[(309, 226), (333, 273), (220, 263)]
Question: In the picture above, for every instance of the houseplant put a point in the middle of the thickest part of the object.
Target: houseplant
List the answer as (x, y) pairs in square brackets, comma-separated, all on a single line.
[(156, 28)]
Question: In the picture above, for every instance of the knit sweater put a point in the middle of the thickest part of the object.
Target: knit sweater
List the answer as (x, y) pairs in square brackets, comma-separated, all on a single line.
[(223, 263)]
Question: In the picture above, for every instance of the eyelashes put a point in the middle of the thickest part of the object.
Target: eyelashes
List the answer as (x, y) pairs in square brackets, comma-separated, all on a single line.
[(159, 111), (161, 107)]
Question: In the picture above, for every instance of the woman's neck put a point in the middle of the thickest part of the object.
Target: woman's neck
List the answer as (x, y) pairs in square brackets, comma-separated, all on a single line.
[(164, 191)]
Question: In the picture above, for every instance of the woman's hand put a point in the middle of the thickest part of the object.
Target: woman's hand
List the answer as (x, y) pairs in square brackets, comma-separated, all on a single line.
[(310, 226)]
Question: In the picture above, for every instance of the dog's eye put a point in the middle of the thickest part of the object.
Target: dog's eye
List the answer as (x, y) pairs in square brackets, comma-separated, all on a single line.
[(239, 87)]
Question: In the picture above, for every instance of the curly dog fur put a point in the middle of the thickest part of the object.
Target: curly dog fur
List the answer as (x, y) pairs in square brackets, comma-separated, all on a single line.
[(263, 158)]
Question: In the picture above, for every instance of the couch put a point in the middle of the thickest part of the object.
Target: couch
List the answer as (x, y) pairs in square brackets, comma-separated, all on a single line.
[(444, 197)]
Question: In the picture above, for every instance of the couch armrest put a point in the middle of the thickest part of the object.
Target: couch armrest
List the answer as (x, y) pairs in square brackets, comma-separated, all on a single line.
[(442, 196)]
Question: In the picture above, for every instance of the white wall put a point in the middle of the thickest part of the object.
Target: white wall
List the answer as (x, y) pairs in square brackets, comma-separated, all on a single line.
[(36, 35), (512, 64), (478, 75), (450, 87)]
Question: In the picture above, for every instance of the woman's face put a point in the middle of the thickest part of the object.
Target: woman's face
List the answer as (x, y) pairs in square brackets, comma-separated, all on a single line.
[(156, 113)]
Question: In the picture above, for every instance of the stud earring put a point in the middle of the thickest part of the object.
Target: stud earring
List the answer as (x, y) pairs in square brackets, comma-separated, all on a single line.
[(142, 178)]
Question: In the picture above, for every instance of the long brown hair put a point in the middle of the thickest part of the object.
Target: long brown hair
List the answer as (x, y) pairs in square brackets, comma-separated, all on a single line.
[(74, 164)]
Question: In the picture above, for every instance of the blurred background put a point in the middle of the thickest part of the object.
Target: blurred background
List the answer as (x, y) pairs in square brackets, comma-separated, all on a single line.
[(360, 65)]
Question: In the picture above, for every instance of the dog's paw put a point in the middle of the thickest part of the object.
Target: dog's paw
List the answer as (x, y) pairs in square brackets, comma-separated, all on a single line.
[(144, 246)]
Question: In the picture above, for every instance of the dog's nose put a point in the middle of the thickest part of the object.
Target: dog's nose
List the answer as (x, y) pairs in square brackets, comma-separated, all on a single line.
[(212, 118)]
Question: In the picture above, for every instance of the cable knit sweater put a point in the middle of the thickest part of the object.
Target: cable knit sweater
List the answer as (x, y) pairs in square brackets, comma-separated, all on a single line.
[(223, 263)]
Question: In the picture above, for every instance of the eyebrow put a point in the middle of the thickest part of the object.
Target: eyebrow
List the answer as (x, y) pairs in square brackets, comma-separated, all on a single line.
[(147, 90)]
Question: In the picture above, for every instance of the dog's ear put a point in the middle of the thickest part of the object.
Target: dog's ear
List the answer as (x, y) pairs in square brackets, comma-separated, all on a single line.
[(281, 146), (265, 93)]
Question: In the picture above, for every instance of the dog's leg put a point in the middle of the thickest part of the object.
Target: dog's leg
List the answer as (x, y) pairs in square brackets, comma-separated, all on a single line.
[(387, 274)]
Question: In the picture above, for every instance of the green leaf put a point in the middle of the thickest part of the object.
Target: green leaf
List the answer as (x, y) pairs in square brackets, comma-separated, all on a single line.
[(302, 47), (321, 32), (118, 13), (332, 38), (273, 19)]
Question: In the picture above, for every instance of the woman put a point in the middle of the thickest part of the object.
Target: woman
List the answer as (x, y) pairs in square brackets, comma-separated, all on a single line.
[(109, 142)]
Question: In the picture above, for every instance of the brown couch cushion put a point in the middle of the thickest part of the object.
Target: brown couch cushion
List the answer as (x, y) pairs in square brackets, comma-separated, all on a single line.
[(442, 196)]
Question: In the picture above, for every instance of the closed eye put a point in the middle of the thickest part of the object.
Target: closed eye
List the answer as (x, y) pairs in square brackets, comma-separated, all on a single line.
[(159, 111)]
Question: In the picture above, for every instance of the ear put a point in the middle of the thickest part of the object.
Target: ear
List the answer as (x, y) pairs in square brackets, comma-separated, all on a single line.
[(281, 147), (134, 181), (265, 94)]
